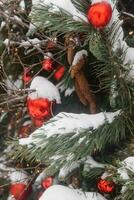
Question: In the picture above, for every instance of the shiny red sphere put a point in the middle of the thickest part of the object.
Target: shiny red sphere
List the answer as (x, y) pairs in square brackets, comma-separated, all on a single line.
[(59, 73), (26, 76), (46, 183), (39, 110), (99, 14), (106, 186), (27, 79), (47, 64), (20, 191)]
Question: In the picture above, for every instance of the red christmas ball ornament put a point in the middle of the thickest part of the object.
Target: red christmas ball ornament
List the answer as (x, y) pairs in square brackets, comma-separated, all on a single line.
[(46, 183), (26, 77), (20, 188), (99, 14), (106, 186), (39, 110), (20, 191), (47, 64), (59, 73)]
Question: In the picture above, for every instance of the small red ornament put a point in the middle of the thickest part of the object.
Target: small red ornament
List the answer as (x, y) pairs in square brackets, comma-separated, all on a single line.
[(106, 186), (59, 73), (20, 191), (26, 77), (99, 14), (52, 43), (47, 64), (39, 110), (46, 183)]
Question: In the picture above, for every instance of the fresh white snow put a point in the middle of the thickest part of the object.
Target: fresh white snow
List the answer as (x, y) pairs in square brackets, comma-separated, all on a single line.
[(92, 163), (31, 42), (12, 85), (44, 89), (66, 5), (88, 161), (78, 56), (19, 177), (128, 163), (69, 91), (65, 123), (66, 170), (123, 173), (64, 193)]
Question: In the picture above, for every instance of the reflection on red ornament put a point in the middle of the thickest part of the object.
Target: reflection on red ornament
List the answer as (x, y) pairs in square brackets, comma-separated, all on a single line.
[(39, 110), (37, 122), (26, 77), (47, 64), (47, 182), (59, 73), (20, 191), (106, 186), (99, 14)]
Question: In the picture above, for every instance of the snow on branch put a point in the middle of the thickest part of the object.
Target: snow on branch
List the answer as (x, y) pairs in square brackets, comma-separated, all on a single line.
[(127, 166), (66, 5), (88, 161), (63, 192), (120, 43), (32, 42), (65, 123), (116, 34)]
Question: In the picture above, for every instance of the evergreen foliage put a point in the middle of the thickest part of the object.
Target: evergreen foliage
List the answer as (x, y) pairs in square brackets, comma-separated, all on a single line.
[(111, 79)]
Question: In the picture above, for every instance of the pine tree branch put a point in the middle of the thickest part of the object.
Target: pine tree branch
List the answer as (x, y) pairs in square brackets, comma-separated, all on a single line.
[(67, 147), (128, 14)]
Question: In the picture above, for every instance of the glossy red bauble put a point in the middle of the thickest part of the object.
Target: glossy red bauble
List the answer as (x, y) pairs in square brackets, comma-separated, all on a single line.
[(20, 191), (26, 76), (99, 14), (59, 73), (106, 186), (46, 183), (39, 110), (26, 79), (47, 64)]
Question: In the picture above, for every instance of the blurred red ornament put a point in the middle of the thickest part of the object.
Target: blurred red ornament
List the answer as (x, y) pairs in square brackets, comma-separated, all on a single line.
[(26, 77), (39, 110), (99, 14), (20, 191), (59, 73), (52, 43), (106, 186), (46, 183), (47, 64)]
